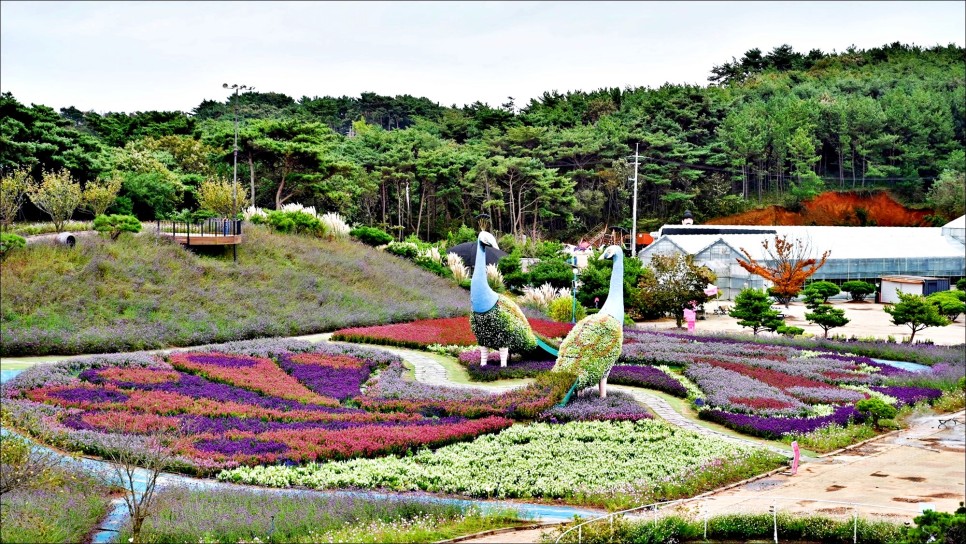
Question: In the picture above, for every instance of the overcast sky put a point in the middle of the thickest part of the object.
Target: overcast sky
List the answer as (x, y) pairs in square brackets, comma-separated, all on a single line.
[(135, 56)]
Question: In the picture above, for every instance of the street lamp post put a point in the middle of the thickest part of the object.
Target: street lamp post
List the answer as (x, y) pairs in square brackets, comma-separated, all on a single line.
[(234, 180)]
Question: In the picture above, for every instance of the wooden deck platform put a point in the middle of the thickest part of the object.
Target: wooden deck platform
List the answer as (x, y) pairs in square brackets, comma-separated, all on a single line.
[(211, 232), (203, 239)]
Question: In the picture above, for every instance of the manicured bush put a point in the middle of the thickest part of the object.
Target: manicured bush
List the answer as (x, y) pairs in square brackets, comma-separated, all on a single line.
[(858, 290), (9, 242), (371, 236), (934, 526), (961, 284), (825, 289), (115, 224)]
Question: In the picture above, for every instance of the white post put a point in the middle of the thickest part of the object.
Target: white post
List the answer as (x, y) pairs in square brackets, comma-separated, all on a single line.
[(855, 524), (774, 517), (634, 206), (483, 355), (504, 356)]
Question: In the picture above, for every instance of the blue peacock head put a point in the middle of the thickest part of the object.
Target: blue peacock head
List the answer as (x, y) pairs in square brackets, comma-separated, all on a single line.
[(487, 239)]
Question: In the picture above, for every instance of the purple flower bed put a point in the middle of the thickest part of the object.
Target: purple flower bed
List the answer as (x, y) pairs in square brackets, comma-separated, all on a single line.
[(825, 395), (86, 394), (513, 370), (340, 383), (616, 407), (224, 361), (391, 385), (909, 395), (243, 446), (775, 427), (721, 385), (646, 376)]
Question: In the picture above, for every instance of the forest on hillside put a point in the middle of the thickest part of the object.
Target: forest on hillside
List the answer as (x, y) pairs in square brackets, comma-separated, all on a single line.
[(774, 127)]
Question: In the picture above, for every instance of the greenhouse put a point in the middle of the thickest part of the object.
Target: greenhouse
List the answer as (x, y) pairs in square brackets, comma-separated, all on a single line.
[(857, 253)]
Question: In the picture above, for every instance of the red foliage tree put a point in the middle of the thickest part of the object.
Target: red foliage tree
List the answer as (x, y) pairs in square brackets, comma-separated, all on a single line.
[(789, 264)]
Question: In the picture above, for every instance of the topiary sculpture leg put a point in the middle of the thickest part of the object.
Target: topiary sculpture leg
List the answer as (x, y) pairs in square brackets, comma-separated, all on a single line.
[(603, 387), (484, 353), (504, 356)]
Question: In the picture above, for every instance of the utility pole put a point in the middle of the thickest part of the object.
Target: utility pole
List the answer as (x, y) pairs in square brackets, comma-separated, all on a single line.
[(234, 181), (634, 205)]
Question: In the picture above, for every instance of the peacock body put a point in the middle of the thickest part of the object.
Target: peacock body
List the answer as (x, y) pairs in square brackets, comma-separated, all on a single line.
[(496, 320), (594, 344)]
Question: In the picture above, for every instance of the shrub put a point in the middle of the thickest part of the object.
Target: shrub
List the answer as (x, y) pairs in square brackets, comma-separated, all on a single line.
[(115, 224), (753, 309), (562, 309), (555, 272), (406, 250), (949, 303), (876, 409), (789, 330), (13, 189), (827, 317), (371, 236), (961, 284), (934, 526), (9, 242), (858, 290), (335, 225), (294, 222)]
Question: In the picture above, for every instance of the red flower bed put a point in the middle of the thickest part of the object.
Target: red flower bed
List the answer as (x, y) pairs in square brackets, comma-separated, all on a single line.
[(452, 331)]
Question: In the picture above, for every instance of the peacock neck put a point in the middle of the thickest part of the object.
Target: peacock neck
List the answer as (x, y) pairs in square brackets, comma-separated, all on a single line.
[(614, 305), (482, 296)]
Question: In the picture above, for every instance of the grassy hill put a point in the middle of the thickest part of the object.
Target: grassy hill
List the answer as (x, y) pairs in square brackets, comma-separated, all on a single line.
[(145, 292)]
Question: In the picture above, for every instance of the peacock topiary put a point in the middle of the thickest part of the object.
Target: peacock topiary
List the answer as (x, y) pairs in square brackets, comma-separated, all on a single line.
[(497, 321), (594, 344)]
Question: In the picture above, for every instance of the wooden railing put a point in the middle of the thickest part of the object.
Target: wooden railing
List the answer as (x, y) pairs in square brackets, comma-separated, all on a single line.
[(205, 232)]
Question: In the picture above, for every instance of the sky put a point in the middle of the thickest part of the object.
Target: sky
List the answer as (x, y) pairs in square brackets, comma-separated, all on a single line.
[(138, 56)]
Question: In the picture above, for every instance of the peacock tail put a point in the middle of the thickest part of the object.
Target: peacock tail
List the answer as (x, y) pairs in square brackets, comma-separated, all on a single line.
[(503, 326), (591, 349)]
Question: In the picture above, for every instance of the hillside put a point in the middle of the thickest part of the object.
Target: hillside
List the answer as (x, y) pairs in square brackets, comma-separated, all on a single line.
[(143, 292), (835, 209)]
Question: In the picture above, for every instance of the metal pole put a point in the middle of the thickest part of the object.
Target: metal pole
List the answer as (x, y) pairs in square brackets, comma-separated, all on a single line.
[(634, 206), (774, 513), (234, 182)]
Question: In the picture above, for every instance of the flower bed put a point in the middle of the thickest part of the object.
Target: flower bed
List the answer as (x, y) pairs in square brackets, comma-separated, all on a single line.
[(280, 407), (647, 376), (774, 427), (493, 371), (454, 331), (539, 460)]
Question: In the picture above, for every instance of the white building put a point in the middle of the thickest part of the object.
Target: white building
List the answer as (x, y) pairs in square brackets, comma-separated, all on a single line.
[(857, 253)]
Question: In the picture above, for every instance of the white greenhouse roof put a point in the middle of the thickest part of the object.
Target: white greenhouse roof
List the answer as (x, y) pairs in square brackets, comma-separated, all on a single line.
[(844, 242)]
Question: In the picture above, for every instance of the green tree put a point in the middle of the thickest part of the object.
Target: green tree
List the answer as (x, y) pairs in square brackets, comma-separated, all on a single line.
[(99, 195), (10, 242), (947, 196), (221, 197), (672, 284), (115, 224), (58, 195), (827, 317), (13, 189), (753, 309), (915, 312), (858, 290)]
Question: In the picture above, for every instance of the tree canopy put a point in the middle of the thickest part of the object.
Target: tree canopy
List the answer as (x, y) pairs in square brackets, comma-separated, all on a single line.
[(775, 125)]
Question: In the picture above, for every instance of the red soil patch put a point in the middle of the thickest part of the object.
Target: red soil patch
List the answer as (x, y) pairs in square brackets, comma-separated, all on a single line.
[(835, 209)]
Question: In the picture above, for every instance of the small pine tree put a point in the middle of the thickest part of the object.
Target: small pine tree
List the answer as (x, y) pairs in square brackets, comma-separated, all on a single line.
[(753, 309), (115, 224), (825, 289), (916, 312), (827, 317)]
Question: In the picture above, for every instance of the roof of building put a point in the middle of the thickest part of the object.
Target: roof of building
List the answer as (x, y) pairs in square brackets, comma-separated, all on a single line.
[(907, 279), (843, 242)]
